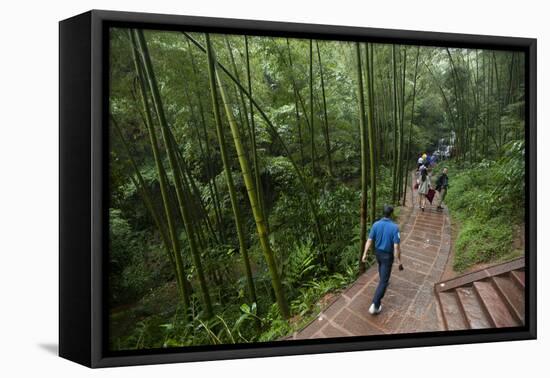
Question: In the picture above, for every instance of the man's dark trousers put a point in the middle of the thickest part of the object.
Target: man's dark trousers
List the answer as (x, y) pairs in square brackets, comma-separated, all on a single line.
[(385, 262)]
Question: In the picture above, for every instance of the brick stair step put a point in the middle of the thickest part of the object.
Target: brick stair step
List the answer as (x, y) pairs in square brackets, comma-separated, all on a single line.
[(519, 277), (512, 293), (452, 312), (495, 305), (475, 313)]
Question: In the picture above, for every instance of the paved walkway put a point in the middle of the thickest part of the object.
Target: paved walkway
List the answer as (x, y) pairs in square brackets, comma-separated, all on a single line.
[(409, 304)]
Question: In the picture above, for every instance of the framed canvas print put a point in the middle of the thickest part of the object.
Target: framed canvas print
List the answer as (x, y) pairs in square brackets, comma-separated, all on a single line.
[(234, 188)]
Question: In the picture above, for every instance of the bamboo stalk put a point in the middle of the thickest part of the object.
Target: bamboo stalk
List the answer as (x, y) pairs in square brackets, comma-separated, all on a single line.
[(410, 127), (249, 183), (239, 225), (145, 194), (401, 126), (299, 173), (212, 186), (363, 138), (326, 131), (184, 211), (370, 131), (255, 159), (311, 112), (296, 100), (395, 128), (176, 249)]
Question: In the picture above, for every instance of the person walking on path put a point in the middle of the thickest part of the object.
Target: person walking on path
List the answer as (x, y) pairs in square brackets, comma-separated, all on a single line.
[(419, 163), (441, 185), (431, 161), (424, 186), (385, 235)]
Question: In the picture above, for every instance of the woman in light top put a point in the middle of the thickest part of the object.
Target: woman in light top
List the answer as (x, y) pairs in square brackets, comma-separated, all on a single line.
[(419, 163), (424, 185)]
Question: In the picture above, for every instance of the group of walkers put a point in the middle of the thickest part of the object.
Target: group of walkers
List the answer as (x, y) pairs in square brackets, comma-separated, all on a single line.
[(384, 234), (424, 185)]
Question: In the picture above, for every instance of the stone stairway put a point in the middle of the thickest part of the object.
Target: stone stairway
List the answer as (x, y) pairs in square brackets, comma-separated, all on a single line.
[(409, 304), (489, 298), (417, 300)]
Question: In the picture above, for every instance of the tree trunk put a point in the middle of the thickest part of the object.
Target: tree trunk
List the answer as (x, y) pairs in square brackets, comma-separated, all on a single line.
[(296, 103), (213, 187), (141, 186), (299, 173), (184, 211), (255, 160), (395, 129), (408, 156), (229, 180), (311, 112), (327, 135), (401, 127), (163, 182), (370, 130), (249, 183), (363, 138)]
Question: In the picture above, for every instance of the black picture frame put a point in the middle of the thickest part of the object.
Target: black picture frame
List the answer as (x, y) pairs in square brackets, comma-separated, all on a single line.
[(83, 168)]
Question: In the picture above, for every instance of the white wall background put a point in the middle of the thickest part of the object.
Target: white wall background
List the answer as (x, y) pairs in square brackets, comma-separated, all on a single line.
[(29, 185)]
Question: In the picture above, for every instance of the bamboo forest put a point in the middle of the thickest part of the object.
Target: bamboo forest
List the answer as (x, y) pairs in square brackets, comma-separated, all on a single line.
[(245, 173)]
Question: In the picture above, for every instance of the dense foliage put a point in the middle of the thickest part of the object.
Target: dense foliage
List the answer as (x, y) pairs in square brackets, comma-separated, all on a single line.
[(488, 200), (246, 171)]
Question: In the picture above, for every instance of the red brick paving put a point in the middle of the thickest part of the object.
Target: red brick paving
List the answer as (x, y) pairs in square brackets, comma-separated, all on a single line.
[(409, 304)]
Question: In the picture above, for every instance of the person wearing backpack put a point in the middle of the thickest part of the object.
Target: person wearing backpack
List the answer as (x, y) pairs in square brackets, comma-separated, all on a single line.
[(441, 185)]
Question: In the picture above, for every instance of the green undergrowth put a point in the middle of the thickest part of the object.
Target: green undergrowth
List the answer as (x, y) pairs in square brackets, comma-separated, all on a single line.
[(486, 200), (311, 274), (234, 324)]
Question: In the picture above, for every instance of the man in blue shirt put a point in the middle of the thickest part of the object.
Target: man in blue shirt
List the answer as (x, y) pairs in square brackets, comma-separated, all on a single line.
[(385, 234)]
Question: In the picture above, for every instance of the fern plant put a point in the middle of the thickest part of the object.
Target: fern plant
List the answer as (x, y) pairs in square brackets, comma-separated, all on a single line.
[(301, 264)]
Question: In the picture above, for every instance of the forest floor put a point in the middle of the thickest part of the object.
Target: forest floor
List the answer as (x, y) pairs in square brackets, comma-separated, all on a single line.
[(409, 304)]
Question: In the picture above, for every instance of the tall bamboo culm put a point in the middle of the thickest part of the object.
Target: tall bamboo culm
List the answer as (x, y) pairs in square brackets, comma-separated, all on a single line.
[(363, 138), (299, 173), (163, 182), (239, 225), (251, 190), (395, 129), (407, 155), (184, 211), (370, 131)]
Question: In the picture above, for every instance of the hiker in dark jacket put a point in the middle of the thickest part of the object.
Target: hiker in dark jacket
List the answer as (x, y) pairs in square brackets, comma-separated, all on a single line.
[(441, 185)]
